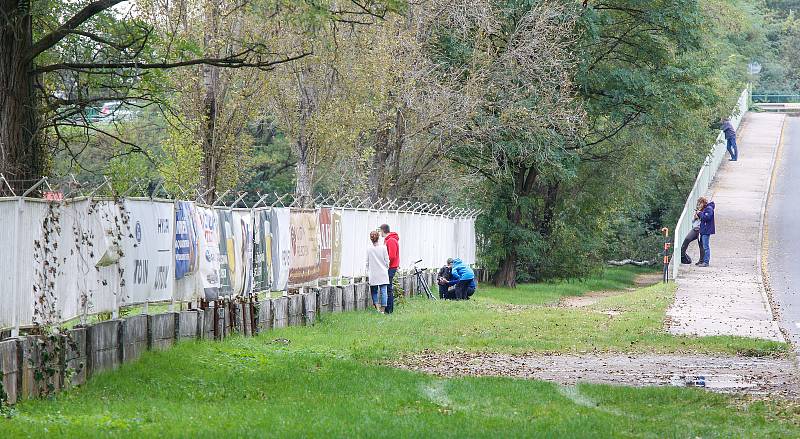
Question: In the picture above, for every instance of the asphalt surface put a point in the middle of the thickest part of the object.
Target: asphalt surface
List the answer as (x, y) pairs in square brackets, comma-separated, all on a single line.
[(783, 232)]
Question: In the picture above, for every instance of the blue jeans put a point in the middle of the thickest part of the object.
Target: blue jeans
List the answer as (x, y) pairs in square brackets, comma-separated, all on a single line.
[(379, 289), (705, 241), (732, 148), (390, 291)]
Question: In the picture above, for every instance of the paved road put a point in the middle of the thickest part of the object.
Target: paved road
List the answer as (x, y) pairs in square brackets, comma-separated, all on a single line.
[(728, 298), (783, 232)]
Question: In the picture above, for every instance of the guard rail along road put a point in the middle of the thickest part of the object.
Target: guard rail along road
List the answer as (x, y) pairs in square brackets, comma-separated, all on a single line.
[(703, 181)]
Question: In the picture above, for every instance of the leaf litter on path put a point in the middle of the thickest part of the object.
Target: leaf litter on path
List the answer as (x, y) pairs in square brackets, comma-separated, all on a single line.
[(726, 374)]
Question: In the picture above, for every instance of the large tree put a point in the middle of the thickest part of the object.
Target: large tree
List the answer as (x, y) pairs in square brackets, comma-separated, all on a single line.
[(58, 58)]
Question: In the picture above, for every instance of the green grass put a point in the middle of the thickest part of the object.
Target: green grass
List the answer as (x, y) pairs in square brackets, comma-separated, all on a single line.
[(329, 381)]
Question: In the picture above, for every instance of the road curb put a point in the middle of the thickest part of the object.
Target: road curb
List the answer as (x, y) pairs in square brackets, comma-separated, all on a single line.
[(763, 232)]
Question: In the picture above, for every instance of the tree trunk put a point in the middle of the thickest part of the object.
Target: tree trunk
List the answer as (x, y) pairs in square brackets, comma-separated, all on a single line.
[(210, 84), (399, 140), (305, 143), (506, 275), (379, 158), (303, 189), (22, 156)]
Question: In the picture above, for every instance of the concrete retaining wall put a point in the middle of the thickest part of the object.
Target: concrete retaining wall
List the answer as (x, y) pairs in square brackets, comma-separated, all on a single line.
[(190, 325), (134, 337), (9, 367), (349, 298), (264, 315), (209, 318), (161, 334), (247, 317), (83, 352), (324, 299), (361, 295), (310, 308), (295, 309), (75, 360), (337, 299), (103, 346), (280, 312)]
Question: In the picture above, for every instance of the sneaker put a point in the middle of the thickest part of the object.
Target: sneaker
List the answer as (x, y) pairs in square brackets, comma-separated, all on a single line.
[(703, 264)]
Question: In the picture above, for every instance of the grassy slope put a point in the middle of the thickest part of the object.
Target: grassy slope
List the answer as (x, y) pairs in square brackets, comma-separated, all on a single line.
[(326, 381)]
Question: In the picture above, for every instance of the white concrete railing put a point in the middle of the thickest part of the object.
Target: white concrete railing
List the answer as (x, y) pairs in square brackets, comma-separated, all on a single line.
[(703, 182)]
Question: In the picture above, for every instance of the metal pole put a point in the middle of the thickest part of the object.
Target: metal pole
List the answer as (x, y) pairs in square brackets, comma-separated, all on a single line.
[(665, 231)]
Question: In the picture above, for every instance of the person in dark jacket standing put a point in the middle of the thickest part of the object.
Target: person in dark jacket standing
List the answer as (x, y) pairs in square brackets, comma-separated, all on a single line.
[(706, 215), (392, 242), (694, 234), (730, 138)]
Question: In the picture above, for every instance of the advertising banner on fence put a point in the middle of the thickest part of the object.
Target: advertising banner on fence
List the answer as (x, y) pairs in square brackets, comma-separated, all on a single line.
[(78, 279), (304, 265), (185, 239), (207, 226), (281, 248), (336, 243), (148, 251), (325, 242), (348, 241), (262, 251), (242, 281), (227, 253)]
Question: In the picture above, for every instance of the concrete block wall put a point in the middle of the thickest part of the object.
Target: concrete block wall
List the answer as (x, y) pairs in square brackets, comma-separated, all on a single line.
[(134, 337), (209, 318), (190, 325), (349, 298), (86, 351), (337, 299), (310, 308), (265, 315), (247, 319), (280, 310), (361, 295), (161, 334), (75, 357), (103, 346), (10, 368), (295, 309)]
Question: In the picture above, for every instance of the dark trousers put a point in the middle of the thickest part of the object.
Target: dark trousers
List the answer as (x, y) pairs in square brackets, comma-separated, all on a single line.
[(732, 149), (442, 291), (390, 293), (464, 289), (691, 236)]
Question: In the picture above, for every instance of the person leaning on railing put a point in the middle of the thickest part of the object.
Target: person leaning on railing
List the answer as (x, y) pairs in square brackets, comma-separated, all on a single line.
[(730, 137), (706, 215), (694, 234)]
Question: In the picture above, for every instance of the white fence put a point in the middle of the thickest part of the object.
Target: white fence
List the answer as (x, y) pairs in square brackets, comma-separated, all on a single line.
[(83, 256), (703, 181)]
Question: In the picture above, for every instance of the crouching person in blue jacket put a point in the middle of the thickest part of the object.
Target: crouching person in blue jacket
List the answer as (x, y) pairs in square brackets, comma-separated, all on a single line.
[(462, 277)]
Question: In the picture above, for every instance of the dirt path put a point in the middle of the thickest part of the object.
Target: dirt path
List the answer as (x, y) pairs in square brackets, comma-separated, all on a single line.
[(592, 297), (754, 376)]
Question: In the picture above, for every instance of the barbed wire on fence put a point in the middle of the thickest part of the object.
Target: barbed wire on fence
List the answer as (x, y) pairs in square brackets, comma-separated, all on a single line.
[(69, 188)]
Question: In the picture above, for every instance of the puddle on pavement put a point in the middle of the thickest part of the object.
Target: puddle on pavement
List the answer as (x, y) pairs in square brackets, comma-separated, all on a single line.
[(719, 382)]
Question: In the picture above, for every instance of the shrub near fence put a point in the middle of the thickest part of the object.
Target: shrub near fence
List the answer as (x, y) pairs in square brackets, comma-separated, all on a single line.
[(81, 256)]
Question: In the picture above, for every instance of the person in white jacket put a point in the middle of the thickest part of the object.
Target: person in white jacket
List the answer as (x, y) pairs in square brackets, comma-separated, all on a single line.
[(378, 271)]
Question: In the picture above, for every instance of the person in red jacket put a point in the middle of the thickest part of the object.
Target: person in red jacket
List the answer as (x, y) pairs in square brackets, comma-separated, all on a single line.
[(392, 242)]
